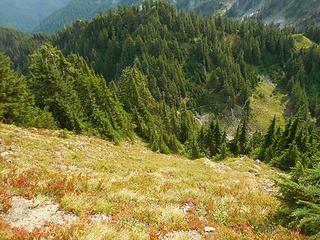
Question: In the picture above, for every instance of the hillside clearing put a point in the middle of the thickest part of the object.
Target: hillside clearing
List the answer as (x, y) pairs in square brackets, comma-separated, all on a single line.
[(302, 41), (139, 193), (267, 102)]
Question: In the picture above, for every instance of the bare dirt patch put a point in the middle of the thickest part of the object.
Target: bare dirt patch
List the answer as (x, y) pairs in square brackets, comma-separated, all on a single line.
[(35, 214)]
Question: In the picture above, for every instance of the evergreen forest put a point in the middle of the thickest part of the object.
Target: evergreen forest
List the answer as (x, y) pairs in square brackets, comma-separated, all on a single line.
[(154, 73)]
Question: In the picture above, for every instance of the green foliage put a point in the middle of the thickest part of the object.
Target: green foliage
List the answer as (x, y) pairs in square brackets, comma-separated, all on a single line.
[(288, 158), (159, 65), (162, 126), (212, 140), (18, 46), (16, 102), (63, 134), (303, 84), (313, 32), (193, 148), (78, 98), (187, 59), (150, 70), (300, 197), (240, 143), (292, 12)]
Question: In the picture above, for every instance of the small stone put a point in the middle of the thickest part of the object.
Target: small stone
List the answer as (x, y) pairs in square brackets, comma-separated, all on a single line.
[(186, 207), (96, 218), (73, 168), (209, 229), (192, 235), (4, 154), (258, 161), (203, 219), (257, 167)]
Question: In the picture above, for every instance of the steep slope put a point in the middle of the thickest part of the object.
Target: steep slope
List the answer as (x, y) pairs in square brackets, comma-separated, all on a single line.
[(128, 191), (78, 9), (18, 46), (289, 12), (296, 13), (24, 15), (267, 102), (86, 9)]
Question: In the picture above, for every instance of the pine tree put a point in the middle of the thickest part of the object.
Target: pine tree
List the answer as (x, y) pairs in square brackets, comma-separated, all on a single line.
[(16, 102), (300, 208), (78, 98), (52, 85), (288, 159), (268, 140), (243, 138), (193, 147)]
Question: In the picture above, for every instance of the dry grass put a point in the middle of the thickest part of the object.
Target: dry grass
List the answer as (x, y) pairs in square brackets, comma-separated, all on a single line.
[(142, 191)]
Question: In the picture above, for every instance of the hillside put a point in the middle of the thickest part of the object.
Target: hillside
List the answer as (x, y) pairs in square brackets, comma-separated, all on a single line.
[(76, 180), (25, 15), (267, 102), (151, 79), (50, 16), (86, 9), (286, 13)]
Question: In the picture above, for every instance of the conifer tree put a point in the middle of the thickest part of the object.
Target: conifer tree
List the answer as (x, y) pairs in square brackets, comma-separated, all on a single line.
[(16, 102), (300, 208), (78, 99), (288, 159), (268, 140)]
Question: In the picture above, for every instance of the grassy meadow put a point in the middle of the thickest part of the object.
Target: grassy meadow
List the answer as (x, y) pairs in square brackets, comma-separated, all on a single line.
[(145, 195)]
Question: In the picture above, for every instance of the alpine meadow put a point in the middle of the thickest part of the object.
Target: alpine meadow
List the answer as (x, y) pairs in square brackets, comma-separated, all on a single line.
[(161, 120)]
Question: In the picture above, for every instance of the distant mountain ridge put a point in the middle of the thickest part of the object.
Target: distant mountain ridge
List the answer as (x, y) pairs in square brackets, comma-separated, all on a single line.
[(284, 12), (24, 15), (296, 13), (86, 9), (78, 9), (51, 15)]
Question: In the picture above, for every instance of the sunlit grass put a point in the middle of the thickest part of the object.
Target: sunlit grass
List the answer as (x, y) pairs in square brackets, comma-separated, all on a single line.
[(141, 191), (301, 41), (266, 103)]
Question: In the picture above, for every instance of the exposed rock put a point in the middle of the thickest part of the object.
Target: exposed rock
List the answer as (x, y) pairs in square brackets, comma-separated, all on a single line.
[(186, 207), (72, 168), (258, 161), (192, 235), (257, 167), (215, 165), (5, 154), (99, 218), (203, 219), (268, 186), (34, 214), (30, 215), (209, 229)]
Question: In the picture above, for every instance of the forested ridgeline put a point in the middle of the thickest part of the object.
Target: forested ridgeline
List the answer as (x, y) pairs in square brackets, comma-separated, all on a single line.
[(147, 71), (161, 65)]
